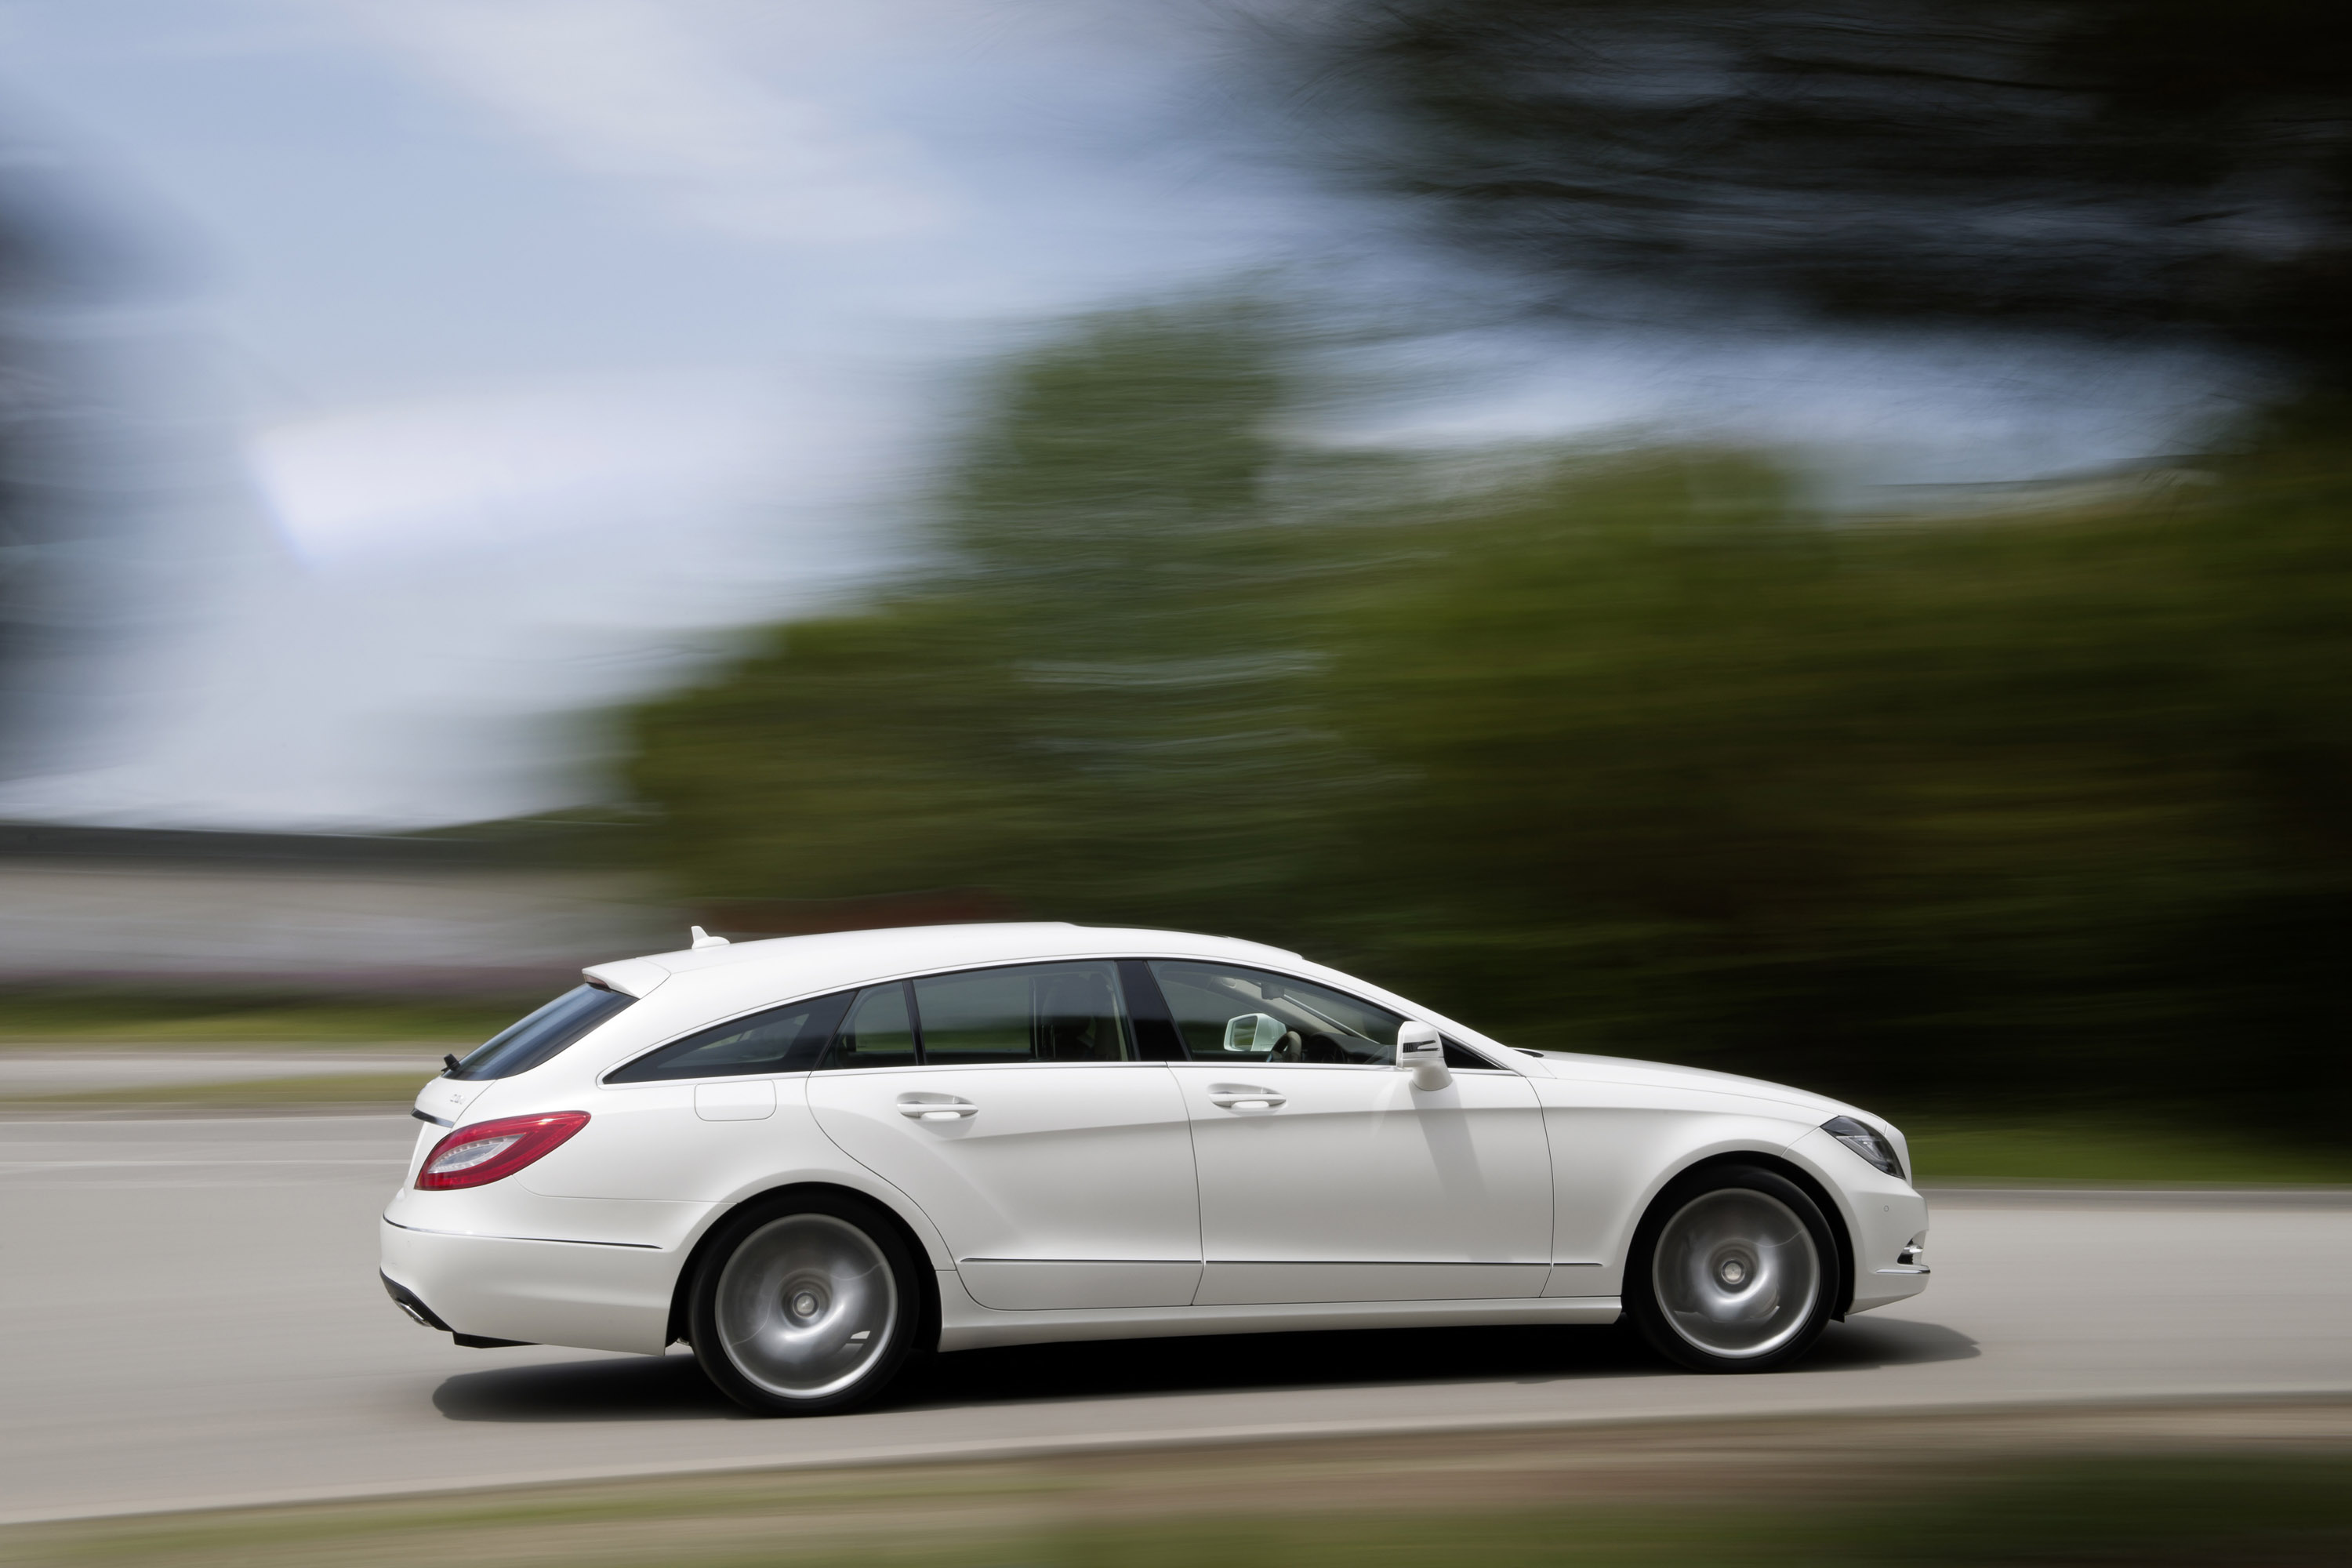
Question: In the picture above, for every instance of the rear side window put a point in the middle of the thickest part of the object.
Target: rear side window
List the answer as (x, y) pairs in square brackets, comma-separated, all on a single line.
[(1030, 1013), (539, 1038), (880, 1031), (782, 1039), (1069, 1011)]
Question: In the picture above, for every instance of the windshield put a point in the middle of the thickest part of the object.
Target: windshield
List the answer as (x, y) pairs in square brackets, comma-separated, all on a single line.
[(537, 1038)]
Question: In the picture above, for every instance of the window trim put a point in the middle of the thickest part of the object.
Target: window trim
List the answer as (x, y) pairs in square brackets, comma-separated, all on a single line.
[(1129, 967)]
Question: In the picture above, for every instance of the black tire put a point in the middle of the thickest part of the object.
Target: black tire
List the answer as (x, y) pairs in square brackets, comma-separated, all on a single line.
[(1734, 1268), (781, 1294)]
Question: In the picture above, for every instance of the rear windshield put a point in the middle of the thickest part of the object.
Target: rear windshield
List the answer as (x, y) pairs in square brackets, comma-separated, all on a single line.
[(539, 1038)]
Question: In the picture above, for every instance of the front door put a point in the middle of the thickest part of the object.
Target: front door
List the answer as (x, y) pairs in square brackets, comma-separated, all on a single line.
[(1326, 1175), (1008, 1104)]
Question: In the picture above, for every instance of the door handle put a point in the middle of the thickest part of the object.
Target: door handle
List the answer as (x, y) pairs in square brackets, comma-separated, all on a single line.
[(935, 1108), (1242, 1097)]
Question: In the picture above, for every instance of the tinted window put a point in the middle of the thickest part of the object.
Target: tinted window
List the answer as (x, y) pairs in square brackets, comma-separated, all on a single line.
[(782, 1039), (880, 1033), (1027, 1013), (1229, 1014), (1147, 1018), (540, 1037)]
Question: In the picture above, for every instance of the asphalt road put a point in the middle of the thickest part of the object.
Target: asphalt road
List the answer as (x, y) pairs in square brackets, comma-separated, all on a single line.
[(189, 1316)]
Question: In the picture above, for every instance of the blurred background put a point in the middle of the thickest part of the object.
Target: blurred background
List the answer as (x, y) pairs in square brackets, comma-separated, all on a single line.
[(1811, 540), (1807, 539)]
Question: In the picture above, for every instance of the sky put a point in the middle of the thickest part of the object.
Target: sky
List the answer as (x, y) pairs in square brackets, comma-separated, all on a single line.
[(527, 352)]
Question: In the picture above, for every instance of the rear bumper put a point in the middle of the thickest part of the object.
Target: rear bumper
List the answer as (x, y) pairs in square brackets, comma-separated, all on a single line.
[(589, 1295)]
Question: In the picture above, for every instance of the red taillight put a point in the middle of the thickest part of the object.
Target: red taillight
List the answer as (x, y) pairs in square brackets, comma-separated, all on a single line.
[(477, 1155)]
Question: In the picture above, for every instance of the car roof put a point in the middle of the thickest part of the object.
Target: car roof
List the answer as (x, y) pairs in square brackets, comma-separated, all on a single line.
[(805, 965)]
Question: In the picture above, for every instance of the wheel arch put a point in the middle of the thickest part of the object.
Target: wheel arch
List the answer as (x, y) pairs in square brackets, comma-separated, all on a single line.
[(1779, 1164), (927, 1330)]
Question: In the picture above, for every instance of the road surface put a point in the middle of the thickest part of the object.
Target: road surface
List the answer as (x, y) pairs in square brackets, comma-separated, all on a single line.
[(191, 1317)]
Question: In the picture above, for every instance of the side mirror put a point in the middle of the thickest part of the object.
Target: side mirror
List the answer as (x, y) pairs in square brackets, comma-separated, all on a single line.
[(1253, 1032), (1422, 1053)]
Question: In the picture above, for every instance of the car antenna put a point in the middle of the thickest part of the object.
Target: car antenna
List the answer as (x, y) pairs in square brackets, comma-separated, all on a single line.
[(704, 938)]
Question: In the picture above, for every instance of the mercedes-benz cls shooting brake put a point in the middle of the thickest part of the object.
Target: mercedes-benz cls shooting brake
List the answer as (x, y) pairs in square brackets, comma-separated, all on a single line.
[(812, 1157)]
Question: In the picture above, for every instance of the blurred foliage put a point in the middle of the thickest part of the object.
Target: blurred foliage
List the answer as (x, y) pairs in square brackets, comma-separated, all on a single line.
[(2103, 164), (1632, 753), (2282, 1510)]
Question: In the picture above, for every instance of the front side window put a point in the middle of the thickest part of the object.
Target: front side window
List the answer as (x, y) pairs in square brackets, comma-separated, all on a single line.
[(782, 1039), (1230, 1014), (1025, 1013), (537, 1038)]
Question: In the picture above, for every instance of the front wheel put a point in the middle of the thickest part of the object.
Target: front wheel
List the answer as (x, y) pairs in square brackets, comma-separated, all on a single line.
[(1731, 1271), (804, 1305)]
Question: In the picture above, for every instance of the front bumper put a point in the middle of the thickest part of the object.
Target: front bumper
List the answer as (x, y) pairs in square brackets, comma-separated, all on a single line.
[(1884, 1214)]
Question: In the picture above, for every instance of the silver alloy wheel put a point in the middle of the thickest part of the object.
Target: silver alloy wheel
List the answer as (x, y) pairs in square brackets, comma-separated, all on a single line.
[(1737, 1273), (806, 1305)]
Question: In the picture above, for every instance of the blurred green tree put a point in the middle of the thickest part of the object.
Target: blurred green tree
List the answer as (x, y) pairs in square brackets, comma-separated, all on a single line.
[(1635, 754), (1100, 699)]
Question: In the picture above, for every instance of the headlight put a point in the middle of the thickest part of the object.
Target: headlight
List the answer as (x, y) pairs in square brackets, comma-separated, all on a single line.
[(1867, 1142)]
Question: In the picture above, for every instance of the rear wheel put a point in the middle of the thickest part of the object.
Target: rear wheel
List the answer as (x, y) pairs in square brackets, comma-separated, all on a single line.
[(1731, 1271), (805, 1305)]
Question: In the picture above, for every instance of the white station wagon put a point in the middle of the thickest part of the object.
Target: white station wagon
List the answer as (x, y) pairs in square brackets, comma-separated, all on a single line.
[(812, 1158)]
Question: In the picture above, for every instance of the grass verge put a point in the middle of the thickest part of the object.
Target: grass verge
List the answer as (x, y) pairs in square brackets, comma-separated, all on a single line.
[(384, 1091), (1947, 1150), (2276, 1491)]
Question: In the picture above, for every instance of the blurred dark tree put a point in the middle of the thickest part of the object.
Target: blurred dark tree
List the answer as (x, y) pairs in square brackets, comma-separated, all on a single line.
[(2084, 165), (1636, 756)]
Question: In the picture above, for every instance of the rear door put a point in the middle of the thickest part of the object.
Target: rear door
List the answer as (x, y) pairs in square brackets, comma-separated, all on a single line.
[(1009, 1103)]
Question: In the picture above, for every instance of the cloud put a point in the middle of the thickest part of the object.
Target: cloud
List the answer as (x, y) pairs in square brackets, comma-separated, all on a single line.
[(653, 94), (490, 470)]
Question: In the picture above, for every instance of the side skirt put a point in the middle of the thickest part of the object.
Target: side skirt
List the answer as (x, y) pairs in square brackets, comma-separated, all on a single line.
[(965, 1324)]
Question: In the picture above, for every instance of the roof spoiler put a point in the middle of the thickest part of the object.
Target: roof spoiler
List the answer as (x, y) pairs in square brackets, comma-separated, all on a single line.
[(629, 976)]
